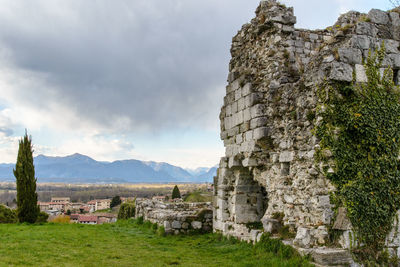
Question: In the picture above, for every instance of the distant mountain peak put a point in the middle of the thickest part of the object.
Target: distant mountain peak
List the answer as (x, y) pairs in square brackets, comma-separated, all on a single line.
[(79, 168)]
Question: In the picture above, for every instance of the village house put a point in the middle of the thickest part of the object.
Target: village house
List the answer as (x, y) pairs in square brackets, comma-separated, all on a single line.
[(61, 200), (99, 204), (51, 206), (43, 206), (87, 219), (106, 218)]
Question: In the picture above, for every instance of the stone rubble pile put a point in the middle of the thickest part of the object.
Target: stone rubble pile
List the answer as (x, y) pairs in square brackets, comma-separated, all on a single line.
[(177, 217)]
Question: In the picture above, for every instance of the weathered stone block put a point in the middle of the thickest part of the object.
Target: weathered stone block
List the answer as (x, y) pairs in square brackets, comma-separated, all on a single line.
[(228, 123), (176, 225), (167, 225), (271, 225), (303, 237), (342, 222), (378, 16), (228, 110), (395, 18), (260, 133), (238, 94), (361, 76), (395, 60), (223, 163), (391, 46), (324, 202), (246, 114), (257, 111), (241, 105), (286, 156), (254, 234), (249, 162), (248, 146), (197, 225), (234, 163), (247, 89), (245, 126), (254, 98), (239, 139), (284, 19), (258, 122), (365, 28), (233, 131), (350, 55), (360, 41), (235, 85), (248, 135), (341, 72), (332, 257)]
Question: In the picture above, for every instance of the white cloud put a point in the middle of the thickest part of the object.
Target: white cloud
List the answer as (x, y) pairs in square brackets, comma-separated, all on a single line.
[(97, 147)]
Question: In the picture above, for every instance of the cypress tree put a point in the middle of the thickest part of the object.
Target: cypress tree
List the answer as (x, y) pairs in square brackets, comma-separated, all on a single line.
[(115, 201), (24, 173), (176, 193)]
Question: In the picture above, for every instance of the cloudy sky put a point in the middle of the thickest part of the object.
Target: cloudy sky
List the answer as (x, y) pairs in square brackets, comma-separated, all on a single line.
[(123, 79)]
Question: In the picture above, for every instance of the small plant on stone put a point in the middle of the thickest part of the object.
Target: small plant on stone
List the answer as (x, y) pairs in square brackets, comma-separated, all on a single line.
[(160, 231)]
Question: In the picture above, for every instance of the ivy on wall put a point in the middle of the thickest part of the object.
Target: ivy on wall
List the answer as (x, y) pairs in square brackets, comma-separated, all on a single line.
[(359, 130)]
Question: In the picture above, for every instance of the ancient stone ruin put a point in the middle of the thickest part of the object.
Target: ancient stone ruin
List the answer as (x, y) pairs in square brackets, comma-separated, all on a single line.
[(268, 175), (176, 218)]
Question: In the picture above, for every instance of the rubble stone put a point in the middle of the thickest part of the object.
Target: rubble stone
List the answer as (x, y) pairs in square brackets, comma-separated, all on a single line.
[(176, 217)]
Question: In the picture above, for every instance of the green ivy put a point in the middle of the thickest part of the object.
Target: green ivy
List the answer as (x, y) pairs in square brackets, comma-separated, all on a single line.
[(359, 152)]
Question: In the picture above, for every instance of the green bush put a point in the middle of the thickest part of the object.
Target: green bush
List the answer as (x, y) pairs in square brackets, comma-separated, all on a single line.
[(360, 129), (126, 211), (42, 217), (7, 215)]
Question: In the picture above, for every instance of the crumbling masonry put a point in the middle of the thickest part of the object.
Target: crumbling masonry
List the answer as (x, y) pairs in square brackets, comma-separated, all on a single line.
[(268, 118)]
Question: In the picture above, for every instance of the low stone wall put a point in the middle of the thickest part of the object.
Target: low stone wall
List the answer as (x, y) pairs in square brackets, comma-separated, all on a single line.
[(176, 217)]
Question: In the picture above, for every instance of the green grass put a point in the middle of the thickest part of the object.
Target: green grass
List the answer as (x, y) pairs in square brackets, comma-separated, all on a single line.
[(128, 244), (198, 196)]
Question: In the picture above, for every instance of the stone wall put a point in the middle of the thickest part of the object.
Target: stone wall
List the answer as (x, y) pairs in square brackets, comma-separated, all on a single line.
[(268, 118), (178, 217)]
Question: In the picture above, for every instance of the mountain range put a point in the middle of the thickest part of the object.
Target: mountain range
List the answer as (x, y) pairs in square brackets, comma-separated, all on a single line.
[(79, 168)]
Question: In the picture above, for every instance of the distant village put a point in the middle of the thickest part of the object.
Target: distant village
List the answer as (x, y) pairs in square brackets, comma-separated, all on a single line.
[(85, 213), (97, 211)]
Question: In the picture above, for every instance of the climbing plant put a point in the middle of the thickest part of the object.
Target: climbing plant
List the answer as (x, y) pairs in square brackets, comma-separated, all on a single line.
[(359, 130)]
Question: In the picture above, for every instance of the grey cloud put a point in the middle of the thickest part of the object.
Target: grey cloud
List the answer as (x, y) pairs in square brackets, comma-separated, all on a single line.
[(161, 64)]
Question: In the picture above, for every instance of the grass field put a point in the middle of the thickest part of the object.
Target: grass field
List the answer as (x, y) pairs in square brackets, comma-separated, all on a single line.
[(127, 243)]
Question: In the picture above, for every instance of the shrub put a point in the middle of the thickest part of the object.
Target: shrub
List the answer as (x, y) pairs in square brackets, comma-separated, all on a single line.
[(126, 211), (7, 215), (42, 217), (61, 219)]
